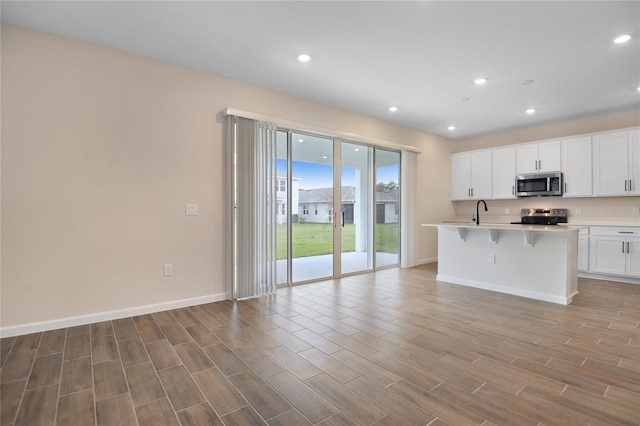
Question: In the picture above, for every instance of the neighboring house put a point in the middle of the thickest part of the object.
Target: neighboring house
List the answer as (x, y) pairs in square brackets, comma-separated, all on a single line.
[(316, 205), (281, 194), (387, 207)]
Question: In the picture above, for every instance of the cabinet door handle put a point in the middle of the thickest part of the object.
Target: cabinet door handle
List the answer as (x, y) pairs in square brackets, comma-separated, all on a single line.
[(539, 164), (565, 187), (625, 232), (630, 185), (513, 190), (625, 185), (623, 246), (628, 247)]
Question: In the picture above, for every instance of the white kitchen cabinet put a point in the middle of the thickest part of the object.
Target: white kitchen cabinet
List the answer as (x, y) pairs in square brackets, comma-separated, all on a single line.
[(576, 167), (616, 163), (503, 172), (633, 257), (538, 157), (614, 251), (471, 175), (583, 250)]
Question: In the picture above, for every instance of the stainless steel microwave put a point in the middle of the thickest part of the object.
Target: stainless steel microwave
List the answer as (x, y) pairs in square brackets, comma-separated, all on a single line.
[(539, 184)]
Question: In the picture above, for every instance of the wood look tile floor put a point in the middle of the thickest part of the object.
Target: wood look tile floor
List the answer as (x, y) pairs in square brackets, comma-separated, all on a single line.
[(391, 348)]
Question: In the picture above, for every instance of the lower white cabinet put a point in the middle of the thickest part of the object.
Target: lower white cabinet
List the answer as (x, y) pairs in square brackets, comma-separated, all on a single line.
[(583, 250), (614, 251)]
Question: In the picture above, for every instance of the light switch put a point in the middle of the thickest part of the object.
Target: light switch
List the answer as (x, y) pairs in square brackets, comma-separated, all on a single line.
[(191, 210), (168, 269)]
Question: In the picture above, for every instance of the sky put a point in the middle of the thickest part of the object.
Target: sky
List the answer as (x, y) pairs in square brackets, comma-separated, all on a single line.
[(313, 175)]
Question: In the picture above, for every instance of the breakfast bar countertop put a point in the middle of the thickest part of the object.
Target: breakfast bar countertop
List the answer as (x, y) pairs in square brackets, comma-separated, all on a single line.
[(506, 226)]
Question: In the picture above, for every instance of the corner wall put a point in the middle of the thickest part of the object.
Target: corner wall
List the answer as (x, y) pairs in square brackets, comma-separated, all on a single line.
[(101, 150)]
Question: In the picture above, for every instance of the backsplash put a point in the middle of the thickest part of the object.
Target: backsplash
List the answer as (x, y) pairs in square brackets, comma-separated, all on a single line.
[(623, 211)]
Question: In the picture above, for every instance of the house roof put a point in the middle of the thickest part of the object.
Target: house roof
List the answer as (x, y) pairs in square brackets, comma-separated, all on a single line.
[(325, 195), (387, 197)]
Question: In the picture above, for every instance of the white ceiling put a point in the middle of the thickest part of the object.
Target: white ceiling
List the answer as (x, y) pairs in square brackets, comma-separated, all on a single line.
[(421, 56)]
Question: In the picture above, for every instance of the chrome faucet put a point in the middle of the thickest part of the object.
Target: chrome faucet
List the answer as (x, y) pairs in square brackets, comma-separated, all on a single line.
[(478, 210)]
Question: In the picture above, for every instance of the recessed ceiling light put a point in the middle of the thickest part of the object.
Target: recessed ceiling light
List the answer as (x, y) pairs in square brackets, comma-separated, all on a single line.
[(324, 156), (393, 108), (530, 111), (622, 39), (356, 149), (480, 81), (451, 127), (638, 88), (304, 57), (300, 140)]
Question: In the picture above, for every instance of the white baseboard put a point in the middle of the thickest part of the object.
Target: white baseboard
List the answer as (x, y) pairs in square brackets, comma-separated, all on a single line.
[(35, 327), (508, 290), (427, 260), (615, 278)]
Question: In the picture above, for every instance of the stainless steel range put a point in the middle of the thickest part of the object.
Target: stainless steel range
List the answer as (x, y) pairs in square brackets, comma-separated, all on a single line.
[(542, 217)]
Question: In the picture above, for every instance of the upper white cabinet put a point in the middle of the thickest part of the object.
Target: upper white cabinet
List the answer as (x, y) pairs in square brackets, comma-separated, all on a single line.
[(597, 164), (471, 175), (538, 157), (616, 163), (503, 172), (576, 166)]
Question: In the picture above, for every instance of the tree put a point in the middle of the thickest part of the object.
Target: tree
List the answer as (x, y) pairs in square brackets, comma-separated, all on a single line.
[(386, 187)]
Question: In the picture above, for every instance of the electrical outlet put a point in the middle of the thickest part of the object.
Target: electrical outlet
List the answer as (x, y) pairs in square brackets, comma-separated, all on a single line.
[(491, 258), (168, 269), (578, 211), (635, 211), (506, 211), (191, 209)]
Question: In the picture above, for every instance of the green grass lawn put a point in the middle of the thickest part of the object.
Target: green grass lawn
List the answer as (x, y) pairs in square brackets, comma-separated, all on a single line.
[(313, 239)]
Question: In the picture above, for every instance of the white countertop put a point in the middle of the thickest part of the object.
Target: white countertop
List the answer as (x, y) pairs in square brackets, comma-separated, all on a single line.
[(630, 221), (505, 226)]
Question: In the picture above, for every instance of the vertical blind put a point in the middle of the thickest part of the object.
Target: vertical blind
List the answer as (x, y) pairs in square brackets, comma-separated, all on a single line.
[(251, 150)]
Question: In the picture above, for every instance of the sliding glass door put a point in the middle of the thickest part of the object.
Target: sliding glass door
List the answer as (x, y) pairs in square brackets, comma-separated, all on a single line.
[(286, 193), (356, 206), (312, 227), (387, 207), (328, 206)]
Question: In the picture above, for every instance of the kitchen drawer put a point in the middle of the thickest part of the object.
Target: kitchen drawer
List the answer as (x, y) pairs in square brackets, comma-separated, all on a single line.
[(616, 231)]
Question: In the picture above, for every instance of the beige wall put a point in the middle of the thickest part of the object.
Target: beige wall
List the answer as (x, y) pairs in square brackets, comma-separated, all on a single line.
[(100, 152), (609, 210), (599, 123)]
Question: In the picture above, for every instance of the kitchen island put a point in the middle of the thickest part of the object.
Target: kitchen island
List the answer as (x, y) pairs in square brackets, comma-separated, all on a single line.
[(534, 261)]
